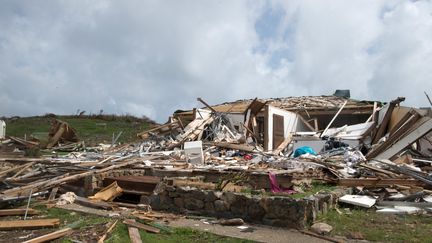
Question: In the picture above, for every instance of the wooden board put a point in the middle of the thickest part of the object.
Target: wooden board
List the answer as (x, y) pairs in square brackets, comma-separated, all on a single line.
[(243, 147), (108, 231), (28, 224), (134, 183), (382, 127), (145, 227), (399, 113), (134, 235), (108, 193), (374, 182), (51, 236), (416, 133), (283, 145), (410, 125), (17, 211), (87, 203)]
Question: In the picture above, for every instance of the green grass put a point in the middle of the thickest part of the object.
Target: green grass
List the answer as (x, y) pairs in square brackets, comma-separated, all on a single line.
[(70, 218), (380, 227), (120, 234), (315, 187), (91, 129)]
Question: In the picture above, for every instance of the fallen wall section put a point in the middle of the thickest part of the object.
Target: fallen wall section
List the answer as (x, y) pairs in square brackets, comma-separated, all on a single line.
[(269, 210)]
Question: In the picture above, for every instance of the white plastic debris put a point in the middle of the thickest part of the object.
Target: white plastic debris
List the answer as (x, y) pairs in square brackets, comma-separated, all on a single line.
[(194, 152), (400, 210), (358, 200)]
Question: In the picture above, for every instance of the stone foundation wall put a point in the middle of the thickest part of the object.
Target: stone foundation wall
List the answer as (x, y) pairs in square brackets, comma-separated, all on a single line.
[(269, 210), (272, 210)]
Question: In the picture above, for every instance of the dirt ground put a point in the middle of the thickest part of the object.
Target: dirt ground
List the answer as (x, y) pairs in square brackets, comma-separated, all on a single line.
[(260, 233)]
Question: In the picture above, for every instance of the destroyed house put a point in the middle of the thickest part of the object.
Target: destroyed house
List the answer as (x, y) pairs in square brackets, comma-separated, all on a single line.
[(271, 121)]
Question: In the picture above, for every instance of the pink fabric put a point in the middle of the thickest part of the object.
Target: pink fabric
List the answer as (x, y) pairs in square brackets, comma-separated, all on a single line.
[(275, 186)]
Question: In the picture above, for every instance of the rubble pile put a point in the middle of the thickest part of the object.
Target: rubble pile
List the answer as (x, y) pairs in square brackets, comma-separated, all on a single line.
[(387, 156)]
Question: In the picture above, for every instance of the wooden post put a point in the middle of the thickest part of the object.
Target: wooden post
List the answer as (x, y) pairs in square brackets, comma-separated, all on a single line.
[(334, 118)]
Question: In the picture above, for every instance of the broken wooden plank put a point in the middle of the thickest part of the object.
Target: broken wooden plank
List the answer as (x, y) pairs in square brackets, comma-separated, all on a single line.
[(414, 121), (23, 169), (61, 131), (101, 240), (198, 184), (134, 235), (145, 227), (17, 211), (28, 224), (108, 193), (421, 176), (87, 203), (382, 128), (43, 185), (135, 183), (243, 147), (53, 193), (412, 136), (382, 171), (375, 182), (427, 96), (192, 131), (249, 131), (24, 142), (5, 172), (404, 159), (283, 145), (51, 236), (247, 120), (207, 105), (169, 126), (334, 118), (407, 116)]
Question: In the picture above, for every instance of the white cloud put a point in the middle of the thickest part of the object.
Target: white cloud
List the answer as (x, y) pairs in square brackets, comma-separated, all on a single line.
[(153, 57)]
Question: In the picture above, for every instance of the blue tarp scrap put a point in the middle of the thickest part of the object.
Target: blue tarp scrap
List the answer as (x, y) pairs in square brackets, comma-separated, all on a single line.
[(304, 150)]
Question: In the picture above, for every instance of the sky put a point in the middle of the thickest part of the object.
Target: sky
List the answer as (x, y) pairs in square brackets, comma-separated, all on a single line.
[(152, 57)]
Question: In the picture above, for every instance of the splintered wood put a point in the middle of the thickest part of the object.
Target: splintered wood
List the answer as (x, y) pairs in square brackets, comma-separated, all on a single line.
[(108, 231), (51, 236), (134, 235), (108, 193), (41, 185), (145, 227)]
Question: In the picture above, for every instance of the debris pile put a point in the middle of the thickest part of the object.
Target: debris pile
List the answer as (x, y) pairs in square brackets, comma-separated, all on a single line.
[(382, 152), (61, 137), (386, 155)]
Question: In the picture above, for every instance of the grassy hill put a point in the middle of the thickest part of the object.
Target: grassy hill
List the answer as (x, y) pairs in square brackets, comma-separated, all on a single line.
[(92, 129)]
